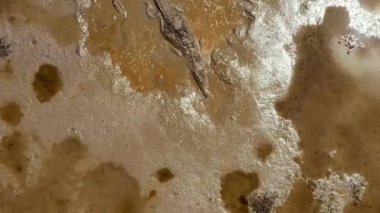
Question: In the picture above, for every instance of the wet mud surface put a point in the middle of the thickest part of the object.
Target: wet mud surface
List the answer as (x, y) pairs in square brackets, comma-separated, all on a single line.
[(45, 16), (332, 102), (331, 112), (59, 187), (236, 188)]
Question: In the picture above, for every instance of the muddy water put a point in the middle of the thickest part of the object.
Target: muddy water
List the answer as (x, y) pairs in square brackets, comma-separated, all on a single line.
[(11, 113), (61, 24), (148, 60), (370, 5), (235, 189), (137, 46), (134, 43), (212, 20), (105, 188), (332, 109), (12, 149), (300, 200)]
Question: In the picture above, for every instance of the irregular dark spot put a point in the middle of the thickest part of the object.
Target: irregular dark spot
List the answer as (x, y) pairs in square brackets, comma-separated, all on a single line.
[(11, 19), (7, 68), (297, 160), (356, 191), (243, 200), (164, 175), (11, 113), (12, 154), (152, 194), (19, 168), (55, 184), (261, 202), (4, 47), (47, 82), (109, 188), (66, 154), (235, 189), (304, 7), (264, 150)]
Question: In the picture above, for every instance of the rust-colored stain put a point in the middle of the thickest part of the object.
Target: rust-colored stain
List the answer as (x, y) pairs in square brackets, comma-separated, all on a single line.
[(147, 59), (137, 46), (212, 20), (142, 53)]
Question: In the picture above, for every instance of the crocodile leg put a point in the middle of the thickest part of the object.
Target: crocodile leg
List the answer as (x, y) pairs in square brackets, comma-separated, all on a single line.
[(151, 11)]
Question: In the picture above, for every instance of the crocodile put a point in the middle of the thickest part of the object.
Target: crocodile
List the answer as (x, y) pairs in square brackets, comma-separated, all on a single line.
[(177, 32)]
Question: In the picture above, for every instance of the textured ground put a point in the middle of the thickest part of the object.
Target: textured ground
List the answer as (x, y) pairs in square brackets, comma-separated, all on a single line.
[(98, 113)]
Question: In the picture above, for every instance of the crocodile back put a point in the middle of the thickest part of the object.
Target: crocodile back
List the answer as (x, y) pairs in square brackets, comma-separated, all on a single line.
[(166, 9)]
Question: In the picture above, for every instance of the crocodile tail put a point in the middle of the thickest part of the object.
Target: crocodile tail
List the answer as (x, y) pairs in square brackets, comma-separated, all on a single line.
[(201, 81)]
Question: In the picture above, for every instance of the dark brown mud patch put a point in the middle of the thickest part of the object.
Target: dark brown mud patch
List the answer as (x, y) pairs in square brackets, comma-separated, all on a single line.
[(236, 188), (164, 175), (109, 188), (47, 82), (264, 150), (6, 69), (11, 113), (12, 154)]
